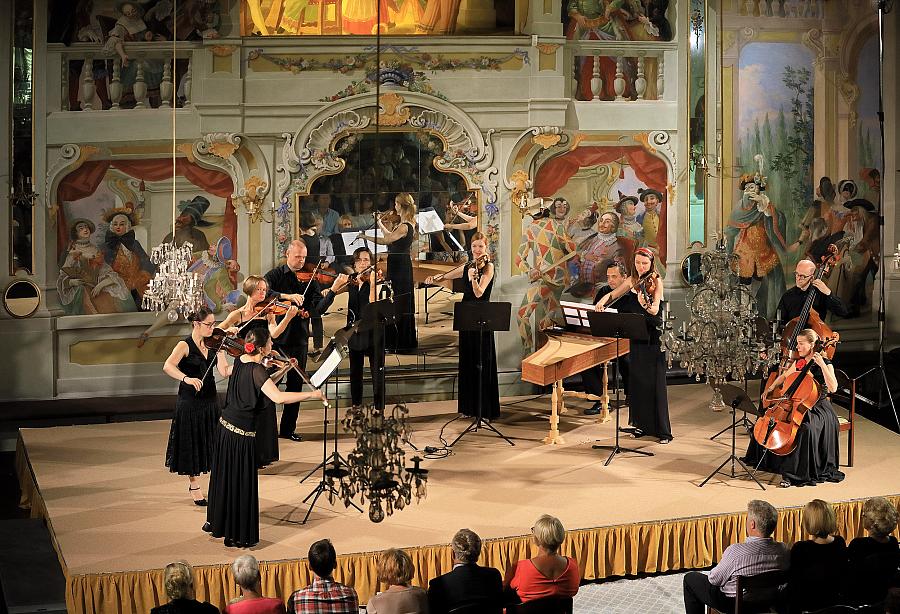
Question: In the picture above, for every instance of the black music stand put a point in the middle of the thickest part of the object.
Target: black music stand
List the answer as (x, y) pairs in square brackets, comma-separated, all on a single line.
[(631, 326), (481, 317), (737, 399)]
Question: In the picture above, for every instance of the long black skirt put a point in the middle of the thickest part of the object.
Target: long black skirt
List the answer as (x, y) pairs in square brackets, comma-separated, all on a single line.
[(192, 436), (401, 335), (648, 403), (233, 511), (469, 382), (815, 459), (266, 436)]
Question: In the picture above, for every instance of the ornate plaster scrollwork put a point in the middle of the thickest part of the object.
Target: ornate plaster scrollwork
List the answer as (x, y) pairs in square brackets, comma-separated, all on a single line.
[(546, 136), (391, 110), (238, 156), (71, 157)]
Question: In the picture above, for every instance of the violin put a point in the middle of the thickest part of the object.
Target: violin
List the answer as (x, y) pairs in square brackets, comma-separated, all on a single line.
[(466, 206), (776, 430), (360, 277), (389, 218), (225, 341), (646, 285), (478, 264), (325, 277), (277, 308)]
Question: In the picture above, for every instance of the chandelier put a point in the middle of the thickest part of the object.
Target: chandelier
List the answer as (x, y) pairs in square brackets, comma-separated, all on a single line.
[(376, 470), (724, 339)]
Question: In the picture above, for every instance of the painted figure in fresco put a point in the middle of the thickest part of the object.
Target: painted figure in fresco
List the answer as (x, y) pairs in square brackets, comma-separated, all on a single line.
[(859, 248), (129, 27), (439, 17), (545, 243), (359, 16), (832, 210), (190, 216), (756, 234), (221, 276), (124, 254), (629, 226), (649, 219), (597, 252), (86, 283)]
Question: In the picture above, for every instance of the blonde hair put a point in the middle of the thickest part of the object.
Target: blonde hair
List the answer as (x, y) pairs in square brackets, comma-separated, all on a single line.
[(879, 517), (548, 532), (178, 580), (478, 236), (395, 567), (819, 519), (251, 283), (809, 334), (407, 206)]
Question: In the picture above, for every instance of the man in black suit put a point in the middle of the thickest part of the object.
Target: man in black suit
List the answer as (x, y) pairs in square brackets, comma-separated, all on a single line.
[(468, 584), (294, 342), (593, 377)]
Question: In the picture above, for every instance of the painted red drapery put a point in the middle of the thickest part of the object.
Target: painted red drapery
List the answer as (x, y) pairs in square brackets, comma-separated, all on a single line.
[(84, 181), (648, 168)]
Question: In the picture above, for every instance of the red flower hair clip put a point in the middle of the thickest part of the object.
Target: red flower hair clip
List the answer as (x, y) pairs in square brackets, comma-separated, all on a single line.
[(249, 348)]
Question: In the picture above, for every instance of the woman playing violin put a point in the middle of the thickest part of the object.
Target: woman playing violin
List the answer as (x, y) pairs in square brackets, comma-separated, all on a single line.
[(192, 435), (815, 458), (260, 312), (479, 275), (642, 293)]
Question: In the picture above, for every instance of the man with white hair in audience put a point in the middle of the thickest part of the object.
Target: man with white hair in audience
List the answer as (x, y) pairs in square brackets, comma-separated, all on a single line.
[(759, 554), (245, 570)]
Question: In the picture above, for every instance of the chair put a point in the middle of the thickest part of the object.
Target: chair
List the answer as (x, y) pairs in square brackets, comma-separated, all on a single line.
[(845, 397), (481, 606), (847, 609), (759, 593), (546, 605)]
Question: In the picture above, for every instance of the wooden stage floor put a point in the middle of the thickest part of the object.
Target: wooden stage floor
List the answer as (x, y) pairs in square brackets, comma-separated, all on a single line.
[(112, 505)]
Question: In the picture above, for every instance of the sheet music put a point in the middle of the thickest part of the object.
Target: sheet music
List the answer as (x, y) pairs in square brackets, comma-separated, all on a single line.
[(576, 313), (429, 221), (325, 370), (351, 243)]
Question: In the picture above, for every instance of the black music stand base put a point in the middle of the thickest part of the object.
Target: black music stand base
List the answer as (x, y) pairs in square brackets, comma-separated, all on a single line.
[(733, 457), (744, 422), (478, 423), (325, 487)]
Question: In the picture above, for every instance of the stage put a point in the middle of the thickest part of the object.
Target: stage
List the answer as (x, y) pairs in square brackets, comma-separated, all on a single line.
[(117, 517)]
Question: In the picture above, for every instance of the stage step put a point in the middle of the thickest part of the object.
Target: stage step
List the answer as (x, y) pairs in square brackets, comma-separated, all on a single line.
[(31, 578)]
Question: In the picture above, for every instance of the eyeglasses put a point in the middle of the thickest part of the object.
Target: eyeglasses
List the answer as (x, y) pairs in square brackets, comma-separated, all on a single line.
[(802, 276), (210, 324)]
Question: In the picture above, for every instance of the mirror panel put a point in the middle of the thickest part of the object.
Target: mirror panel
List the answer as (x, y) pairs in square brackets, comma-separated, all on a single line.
[(21, 298), (691, 271), (697, 122), (22, 198)]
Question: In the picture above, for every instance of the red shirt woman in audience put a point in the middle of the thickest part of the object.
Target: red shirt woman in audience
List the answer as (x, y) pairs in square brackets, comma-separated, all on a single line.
[(548, 574), (395, 569), (818, 565), (245, 570)]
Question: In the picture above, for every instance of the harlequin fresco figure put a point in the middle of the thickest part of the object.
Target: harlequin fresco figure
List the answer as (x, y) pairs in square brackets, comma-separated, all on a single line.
[(220, 276), (124, 253), (544, 244)]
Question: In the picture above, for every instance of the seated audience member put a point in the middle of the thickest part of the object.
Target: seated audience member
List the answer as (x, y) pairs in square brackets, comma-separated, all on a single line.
[(759, 554), (892, 601), (548, 574), (245, 570), (395, 569), (873, 559), (468, 583), (818, 565), (324, 595), (179, 583)]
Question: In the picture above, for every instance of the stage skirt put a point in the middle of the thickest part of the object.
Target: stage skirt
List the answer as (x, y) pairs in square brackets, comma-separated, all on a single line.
[(266, 436), (233, 511), (192, 435)]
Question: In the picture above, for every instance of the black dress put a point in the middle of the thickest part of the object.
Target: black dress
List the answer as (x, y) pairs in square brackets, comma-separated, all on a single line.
[(469, 381), (267, 422), (648, 401), (872, 568), (401, 336), (362, 345), (193, 431), (816, 574), (233, 511), (185, 606), (815, 457)]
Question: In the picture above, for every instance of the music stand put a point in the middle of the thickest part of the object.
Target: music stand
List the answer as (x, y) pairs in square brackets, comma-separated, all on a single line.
[(737, 399), (631, 326), (481, 317)]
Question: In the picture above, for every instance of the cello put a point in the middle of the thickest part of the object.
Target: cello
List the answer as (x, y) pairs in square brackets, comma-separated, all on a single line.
[(776, 430), (808, 318)]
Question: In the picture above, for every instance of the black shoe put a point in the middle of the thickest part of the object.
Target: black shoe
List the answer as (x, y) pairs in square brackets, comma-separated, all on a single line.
[(230, 543), (292, 437), (206, 528), (594, 409), (200, 502)]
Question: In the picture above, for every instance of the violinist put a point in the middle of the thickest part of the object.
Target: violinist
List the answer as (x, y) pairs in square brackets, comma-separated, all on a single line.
[(294, 343), (400, 238), (233, 511), (468, 223), (479, 276), (361, 292), (192, 435), (648, 404), (791, 304), (815, 457)]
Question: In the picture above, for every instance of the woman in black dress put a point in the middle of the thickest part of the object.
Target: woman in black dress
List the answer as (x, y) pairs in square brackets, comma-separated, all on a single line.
[(361, 292), (243, 320), (648, 402), (233, 511), (815, 457), (401, 337), (479, 276), (192, 435)]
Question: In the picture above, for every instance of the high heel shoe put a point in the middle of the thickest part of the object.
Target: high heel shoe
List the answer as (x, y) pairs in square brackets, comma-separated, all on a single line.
[(201, 502)]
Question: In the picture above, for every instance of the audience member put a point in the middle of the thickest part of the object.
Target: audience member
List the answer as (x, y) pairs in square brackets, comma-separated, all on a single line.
[(468, 583), (892, 601), (548, 574), (324, 595), (395, 569), (759, 554), (819, 564), (329, 216), (873, 559), (245, 570), (179, 582)]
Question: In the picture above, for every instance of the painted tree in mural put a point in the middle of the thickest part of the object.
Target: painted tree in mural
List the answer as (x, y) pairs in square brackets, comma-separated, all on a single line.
[(793, 154)]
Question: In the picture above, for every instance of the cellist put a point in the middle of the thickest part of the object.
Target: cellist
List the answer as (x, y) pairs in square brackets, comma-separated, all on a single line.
[(815, 457), (791, 304)]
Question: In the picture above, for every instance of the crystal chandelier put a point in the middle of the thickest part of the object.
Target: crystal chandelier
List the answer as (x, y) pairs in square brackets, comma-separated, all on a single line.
[(724, 339), (376, 470), (174, 287)]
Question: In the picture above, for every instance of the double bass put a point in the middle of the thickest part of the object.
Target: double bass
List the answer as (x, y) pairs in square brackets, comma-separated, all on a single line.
[(808, 318), (776, 430)]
